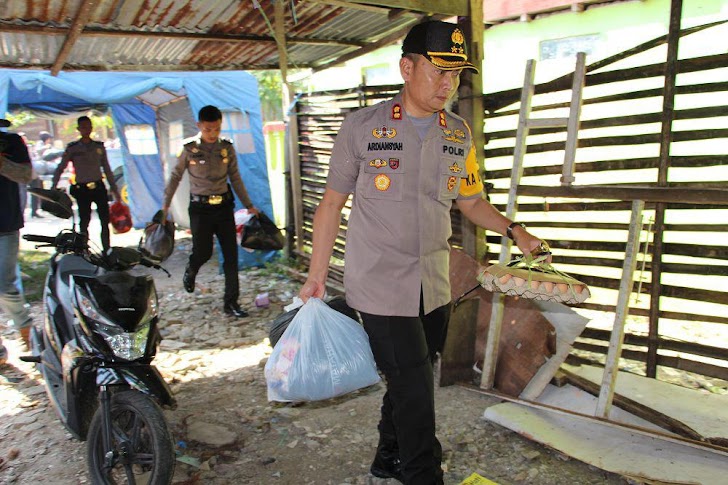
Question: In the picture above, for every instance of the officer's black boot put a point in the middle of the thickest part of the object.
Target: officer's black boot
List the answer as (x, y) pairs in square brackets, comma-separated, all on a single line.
[(188, 280), (386, 462)]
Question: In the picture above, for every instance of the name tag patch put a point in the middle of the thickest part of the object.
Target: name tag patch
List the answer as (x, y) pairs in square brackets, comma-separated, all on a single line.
[(384, 145)]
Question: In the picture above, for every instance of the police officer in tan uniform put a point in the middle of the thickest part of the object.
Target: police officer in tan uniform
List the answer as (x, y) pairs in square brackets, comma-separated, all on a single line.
[(89, 159), (211, 161), (406, 161)]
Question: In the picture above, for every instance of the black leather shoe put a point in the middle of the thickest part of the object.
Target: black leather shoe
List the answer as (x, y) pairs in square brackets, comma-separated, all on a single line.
[(387, 465), (234, 310), (188, 280)]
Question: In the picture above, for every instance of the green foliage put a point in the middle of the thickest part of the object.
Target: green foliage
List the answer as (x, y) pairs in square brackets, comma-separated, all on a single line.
[(270, 90), (34, 264), (19, 119)]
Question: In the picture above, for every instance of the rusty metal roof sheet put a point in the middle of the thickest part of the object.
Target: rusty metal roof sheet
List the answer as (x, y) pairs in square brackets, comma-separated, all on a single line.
[(159, 35)]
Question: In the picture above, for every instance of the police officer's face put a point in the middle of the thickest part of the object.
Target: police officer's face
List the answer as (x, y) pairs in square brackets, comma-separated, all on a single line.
[(210, 130), (85, 128), (428, 89)]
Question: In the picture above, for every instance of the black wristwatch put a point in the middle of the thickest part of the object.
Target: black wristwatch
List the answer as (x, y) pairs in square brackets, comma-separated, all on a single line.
[(509, 230)]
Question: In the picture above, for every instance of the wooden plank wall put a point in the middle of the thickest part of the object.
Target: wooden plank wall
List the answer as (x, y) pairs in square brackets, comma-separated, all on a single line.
[(618, 144)]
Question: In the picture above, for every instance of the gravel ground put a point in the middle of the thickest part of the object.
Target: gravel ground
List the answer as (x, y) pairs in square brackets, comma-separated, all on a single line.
[(228, 433)]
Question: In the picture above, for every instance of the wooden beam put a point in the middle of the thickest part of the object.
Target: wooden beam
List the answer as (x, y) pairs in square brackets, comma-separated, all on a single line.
[(471, 108), (668, 114), (102, 32), (84, 12), (451, 8), (611, 365), (615, 192)]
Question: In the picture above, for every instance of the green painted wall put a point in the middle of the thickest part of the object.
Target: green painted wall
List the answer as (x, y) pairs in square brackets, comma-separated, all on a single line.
[(617, 27), (508, 46)]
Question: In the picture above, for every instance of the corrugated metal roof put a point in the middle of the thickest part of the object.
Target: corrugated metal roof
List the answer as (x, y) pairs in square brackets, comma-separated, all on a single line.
[(189, 35), (206, 34)]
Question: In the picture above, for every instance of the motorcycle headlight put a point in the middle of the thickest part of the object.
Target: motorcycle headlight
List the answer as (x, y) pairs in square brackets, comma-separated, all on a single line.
[(126, 345)]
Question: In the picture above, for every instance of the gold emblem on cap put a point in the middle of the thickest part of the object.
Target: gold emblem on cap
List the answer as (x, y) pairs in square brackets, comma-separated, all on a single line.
[(382, 182), (457, 36)]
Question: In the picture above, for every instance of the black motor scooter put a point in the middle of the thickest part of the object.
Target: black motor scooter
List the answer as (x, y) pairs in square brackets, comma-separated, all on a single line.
[(94, 350)]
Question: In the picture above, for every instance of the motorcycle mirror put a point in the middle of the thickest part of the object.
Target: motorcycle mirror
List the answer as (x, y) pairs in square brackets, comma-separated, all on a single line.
[(54, 201)]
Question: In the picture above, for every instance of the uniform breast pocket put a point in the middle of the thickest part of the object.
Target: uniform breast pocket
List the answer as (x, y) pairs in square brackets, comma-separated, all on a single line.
[(382, 178), (450, 173), (199, 167)]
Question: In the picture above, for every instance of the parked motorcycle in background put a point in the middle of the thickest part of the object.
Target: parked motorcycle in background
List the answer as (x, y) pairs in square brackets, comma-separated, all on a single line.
[(95, 350)]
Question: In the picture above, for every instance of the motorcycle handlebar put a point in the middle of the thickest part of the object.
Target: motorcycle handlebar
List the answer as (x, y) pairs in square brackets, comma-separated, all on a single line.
[(39, 239)]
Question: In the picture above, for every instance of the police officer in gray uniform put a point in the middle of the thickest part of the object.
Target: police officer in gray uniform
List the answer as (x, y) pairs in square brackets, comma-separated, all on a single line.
[(406, 161), (210, 162), (89, 159)]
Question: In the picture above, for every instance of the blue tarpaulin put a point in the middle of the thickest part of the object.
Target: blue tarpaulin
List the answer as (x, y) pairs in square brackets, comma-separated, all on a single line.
[(124, 94)]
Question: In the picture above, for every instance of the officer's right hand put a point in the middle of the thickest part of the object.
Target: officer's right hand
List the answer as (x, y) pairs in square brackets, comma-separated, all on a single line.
[(312, 288)]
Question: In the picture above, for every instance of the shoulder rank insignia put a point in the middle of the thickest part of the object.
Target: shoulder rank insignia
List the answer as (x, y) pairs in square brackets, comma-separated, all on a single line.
[(382, 182), (396, 112), (224, 152), (384, 132), (99, 151), (441, 119)]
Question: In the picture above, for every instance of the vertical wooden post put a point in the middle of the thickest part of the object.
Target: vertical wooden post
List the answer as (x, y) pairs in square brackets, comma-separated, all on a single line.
[(496, 314), (668, 114), (471, 108), (611, 366), (572, 125)]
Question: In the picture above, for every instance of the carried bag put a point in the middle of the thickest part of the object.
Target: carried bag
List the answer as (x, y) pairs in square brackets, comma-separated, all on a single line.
[(322, 354), (157, 242), (280, 324), (120, 217), (261, 233)]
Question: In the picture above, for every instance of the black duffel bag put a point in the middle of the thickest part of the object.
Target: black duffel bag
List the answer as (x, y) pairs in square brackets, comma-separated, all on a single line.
[(261, 233), (280, 324)]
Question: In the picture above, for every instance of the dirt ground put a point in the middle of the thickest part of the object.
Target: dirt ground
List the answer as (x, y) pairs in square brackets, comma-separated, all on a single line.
[(228, 433)]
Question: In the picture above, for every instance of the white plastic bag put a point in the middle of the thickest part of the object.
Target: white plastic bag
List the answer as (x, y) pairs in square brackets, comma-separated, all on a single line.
[(241, 217), (322, 354)]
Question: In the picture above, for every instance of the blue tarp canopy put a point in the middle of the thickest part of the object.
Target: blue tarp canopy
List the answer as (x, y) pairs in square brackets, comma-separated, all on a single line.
[(134, 98)]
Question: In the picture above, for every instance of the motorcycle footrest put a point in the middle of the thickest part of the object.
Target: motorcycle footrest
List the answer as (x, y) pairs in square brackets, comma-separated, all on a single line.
[(30, 358)]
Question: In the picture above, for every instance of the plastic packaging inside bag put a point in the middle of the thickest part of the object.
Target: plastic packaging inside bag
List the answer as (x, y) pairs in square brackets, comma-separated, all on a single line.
[(322, 354)]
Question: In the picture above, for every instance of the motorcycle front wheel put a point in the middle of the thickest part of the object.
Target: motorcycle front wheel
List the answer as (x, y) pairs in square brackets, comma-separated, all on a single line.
[(142, 450)]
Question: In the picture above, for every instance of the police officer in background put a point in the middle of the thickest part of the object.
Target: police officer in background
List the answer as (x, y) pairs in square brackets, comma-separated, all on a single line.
[(89, 160), (210, 162), (406, 160), (15, 170)]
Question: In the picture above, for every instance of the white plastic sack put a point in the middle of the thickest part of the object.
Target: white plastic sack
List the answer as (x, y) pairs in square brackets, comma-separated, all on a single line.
[(241, 217), (322, 354)]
